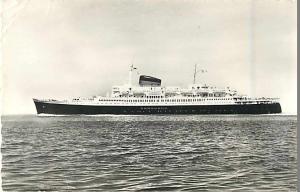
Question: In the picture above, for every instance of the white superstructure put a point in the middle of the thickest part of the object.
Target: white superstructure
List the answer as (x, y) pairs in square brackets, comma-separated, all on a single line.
[(157, 95)]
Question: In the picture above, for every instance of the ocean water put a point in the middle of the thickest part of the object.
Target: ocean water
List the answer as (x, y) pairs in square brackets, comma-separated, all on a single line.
[(149, 153)]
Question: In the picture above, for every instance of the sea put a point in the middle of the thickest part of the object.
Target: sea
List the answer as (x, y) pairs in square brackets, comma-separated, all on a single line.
[(149, 153)]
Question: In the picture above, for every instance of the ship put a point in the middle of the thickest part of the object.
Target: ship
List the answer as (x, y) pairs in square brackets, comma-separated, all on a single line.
[(150, 97)]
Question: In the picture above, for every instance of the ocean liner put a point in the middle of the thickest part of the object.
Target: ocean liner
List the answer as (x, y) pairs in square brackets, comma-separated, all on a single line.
[(150, 97)]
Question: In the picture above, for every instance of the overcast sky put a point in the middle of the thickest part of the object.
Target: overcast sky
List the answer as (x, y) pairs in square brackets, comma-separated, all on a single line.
[(69, 48)]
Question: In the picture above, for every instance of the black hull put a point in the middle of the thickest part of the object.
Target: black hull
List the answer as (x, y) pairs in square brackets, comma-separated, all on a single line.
[(67, 109)]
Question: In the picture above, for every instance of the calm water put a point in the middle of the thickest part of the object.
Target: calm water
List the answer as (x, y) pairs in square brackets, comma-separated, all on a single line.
[(149, 153)]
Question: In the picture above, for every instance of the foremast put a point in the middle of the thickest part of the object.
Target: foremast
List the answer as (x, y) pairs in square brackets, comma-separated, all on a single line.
[(132, 68)]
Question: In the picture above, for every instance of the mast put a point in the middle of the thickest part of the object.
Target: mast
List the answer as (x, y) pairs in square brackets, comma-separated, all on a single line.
[(195, 72), (130, 74)]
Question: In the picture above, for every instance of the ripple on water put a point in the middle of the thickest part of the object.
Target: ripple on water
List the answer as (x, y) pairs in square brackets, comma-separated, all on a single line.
[(149, 153)]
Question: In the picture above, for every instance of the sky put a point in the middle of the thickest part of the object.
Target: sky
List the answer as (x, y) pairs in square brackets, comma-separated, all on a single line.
[(68, 48)]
